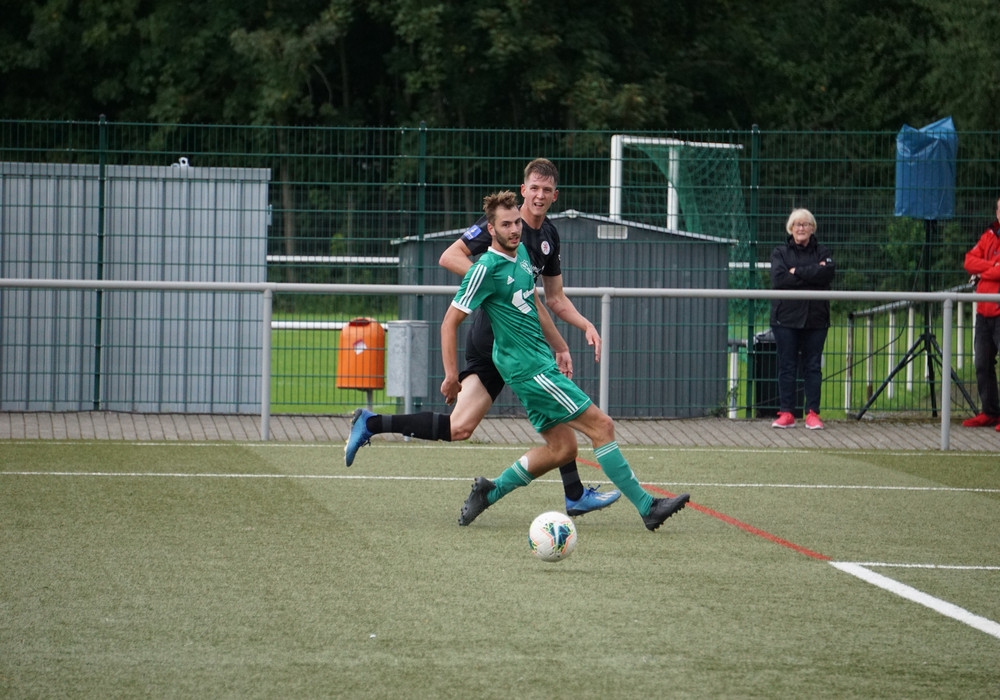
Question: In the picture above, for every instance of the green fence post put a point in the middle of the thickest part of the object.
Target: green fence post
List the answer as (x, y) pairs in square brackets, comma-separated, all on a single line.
[(421, 210), (752, 259)]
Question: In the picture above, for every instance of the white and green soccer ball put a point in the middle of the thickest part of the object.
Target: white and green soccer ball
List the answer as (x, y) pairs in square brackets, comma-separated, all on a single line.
[(552, 536)]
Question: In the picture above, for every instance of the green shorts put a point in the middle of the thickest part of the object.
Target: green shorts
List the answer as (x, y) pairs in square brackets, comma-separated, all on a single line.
[(550, 399)]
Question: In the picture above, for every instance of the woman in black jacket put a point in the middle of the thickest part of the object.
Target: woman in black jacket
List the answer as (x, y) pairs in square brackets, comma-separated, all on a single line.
[(800, 325)]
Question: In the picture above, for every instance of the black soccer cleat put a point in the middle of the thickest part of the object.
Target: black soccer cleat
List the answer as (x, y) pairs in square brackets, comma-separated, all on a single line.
[(476, 503), (663, 508)]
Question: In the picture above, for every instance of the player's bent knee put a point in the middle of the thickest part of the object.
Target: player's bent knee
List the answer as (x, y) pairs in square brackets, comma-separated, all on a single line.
[(461, 431), (568, 455), (563, 451), (562, 445), (602, 428), (465, 419)]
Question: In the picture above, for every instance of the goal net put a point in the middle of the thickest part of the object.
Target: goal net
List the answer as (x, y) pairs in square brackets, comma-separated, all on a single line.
[(687, 186)]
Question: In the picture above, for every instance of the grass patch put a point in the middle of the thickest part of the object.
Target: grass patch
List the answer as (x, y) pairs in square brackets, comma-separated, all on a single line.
[(259, 570)]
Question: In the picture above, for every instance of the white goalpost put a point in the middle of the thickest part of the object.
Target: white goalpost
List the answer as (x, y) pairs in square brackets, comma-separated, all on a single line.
[(672, 150)]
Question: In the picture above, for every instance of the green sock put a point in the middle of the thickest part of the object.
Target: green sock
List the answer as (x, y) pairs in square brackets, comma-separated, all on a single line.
[(613, 463), (514, 476)]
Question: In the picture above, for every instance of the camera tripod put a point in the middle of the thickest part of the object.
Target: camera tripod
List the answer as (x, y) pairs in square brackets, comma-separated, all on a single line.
[(926, 343)]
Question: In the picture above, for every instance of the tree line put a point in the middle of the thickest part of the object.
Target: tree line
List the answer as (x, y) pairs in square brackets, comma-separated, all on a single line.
[(593, 64)]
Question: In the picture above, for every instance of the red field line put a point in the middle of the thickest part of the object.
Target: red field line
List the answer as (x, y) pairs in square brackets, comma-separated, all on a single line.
[(729, 520)]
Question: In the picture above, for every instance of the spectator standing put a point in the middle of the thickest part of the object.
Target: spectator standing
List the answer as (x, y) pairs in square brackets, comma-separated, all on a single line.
[(983, 263), (800, 326)]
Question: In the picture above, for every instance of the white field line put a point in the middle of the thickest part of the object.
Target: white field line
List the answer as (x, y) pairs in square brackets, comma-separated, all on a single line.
[(220, 475), (431, 445), (936, 604), (946, 567), (859, 570), (834, 487), (374, 477)]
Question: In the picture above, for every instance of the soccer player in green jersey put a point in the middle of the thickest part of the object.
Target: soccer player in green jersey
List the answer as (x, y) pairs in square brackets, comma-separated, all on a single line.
[(481, 380), (502, 282)]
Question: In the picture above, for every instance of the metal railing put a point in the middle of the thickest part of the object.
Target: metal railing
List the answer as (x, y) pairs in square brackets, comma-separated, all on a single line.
[(947, 300), (321, 205), (897, 361)]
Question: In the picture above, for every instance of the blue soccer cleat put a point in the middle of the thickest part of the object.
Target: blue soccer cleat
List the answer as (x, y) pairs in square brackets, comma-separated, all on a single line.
[(360, 435), (591, 500)]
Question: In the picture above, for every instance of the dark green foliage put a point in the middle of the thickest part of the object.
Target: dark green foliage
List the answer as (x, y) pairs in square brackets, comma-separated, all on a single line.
[(641, 64)]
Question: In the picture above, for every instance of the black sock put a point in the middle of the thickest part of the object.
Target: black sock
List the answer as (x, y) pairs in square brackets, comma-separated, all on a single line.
[(426, 425), (571, 481)]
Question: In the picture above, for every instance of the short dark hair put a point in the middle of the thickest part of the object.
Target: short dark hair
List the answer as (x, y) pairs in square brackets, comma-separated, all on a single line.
[(498, 200), (543, 167)]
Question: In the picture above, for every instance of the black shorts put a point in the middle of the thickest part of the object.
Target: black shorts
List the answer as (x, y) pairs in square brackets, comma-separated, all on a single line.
[(479, 355)]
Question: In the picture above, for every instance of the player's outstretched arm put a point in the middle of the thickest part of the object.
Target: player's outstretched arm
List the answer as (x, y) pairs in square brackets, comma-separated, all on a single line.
[(449, 353), (562, 307)]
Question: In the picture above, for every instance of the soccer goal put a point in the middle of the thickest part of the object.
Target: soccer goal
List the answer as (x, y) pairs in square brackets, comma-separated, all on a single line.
[(692, 187), (681, 185)]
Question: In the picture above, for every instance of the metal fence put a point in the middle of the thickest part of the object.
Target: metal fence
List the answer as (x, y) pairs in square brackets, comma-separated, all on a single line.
[(415, 372), (339, 201)]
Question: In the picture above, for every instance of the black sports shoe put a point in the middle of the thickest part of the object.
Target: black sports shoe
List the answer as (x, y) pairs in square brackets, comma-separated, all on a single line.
[(663, 508), (476, 503)]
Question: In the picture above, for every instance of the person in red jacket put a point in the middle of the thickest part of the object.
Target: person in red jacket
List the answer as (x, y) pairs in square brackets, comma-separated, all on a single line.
[(983, 263)]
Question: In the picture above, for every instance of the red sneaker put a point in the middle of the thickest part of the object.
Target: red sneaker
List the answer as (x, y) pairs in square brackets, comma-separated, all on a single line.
[(981, 421), (784, 420), (813, 422)]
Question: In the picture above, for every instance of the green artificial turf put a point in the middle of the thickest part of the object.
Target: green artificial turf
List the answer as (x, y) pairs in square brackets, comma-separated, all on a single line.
[(264, 570)]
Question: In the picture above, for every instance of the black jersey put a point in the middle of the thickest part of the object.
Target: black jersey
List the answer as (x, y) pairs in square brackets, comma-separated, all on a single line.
[(542, 245)]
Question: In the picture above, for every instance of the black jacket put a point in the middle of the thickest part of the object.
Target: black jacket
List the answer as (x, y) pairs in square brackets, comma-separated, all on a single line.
[(809, 275)]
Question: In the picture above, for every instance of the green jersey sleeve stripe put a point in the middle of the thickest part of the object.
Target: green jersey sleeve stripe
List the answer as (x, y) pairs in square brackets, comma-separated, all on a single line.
[(474, 281)]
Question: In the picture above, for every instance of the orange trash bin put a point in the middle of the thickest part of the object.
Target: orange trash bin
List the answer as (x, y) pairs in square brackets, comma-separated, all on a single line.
[(361, 355)]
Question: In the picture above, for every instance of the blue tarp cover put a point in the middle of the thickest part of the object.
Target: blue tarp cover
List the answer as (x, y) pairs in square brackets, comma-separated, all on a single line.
[(925, 171)]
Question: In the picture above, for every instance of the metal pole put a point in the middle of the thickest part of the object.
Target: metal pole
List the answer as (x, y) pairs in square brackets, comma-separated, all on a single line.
[(849, 364), (615, 191), (946, 320), (753, 226), (102, 130), (734, 380), (265, 369), (421, 209), (960, 327), (605, 390)]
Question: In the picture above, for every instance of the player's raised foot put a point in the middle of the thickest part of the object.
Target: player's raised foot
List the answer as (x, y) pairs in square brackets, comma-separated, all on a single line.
[(476, 503), (663, 508), (360, 435), (591, 500)]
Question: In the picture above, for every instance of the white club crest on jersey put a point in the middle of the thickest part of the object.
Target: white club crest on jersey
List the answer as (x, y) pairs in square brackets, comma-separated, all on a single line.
[(546, 248)]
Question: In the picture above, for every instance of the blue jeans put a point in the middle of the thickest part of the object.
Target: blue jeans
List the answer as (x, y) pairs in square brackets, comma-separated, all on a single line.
[(985, 345), (794, 344)]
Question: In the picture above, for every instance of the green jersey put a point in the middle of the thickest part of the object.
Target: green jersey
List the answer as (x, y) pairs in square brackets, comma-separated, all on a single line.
[(505, 288)]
